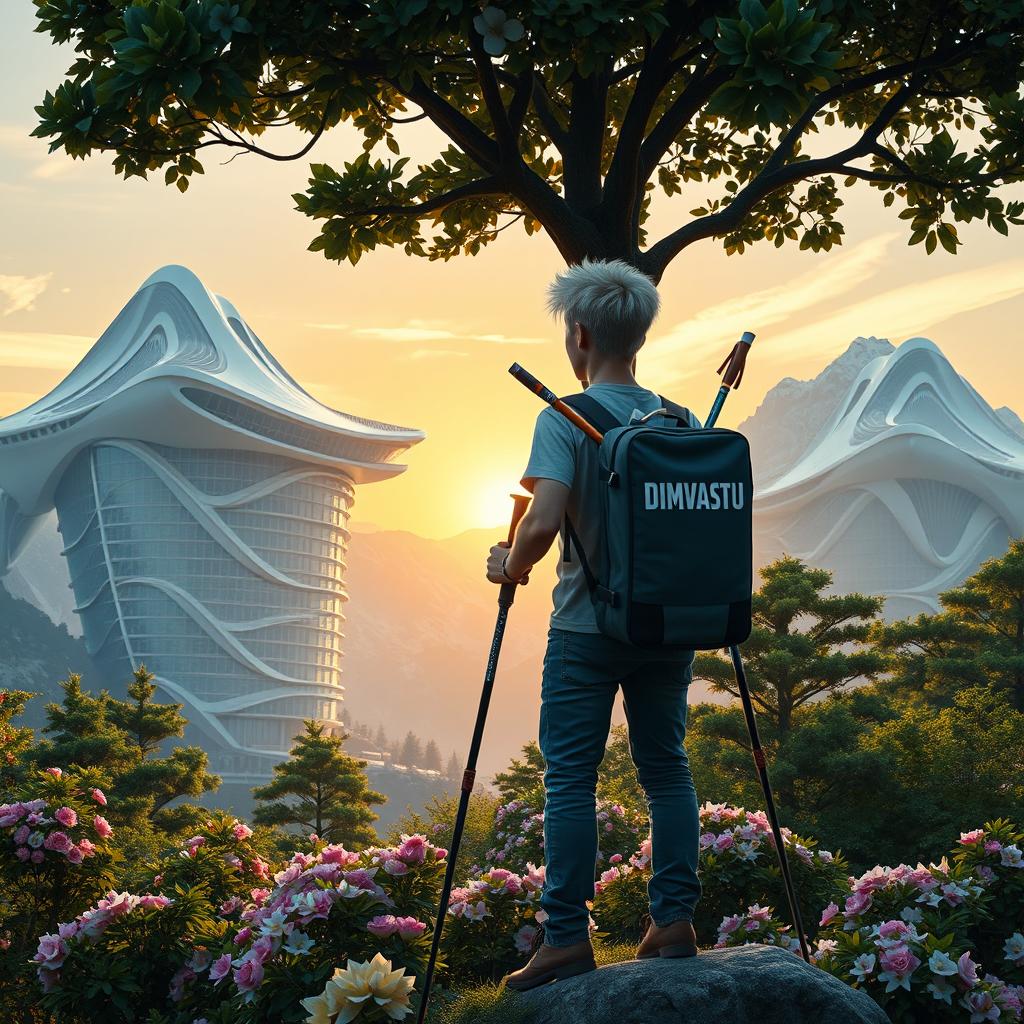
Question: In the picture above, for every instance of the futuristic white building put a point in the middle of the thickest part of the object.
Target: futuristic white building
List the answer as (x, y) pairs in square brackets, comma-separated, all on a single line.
[(910, 484), (202, 497)]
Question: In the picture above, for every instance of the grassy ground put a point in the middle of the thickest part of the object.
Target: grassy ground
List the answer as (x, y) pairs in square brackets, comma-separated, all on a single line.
[(492, 1004)]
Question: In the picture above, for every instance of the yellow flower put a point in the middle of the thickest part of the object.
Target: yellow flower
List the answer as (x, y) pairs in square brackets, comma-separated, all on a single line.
[(366, 986)]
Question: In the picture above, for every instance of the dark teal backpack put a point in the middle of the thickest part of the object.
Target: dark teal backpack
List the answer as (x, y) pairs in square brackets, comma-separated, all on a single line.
[(674, 566)]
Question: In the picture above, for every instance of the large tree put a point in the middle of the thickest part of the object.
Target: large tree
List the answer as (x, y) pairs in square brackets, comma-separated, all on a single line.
[(566, 115), (978, 637), (320, 789), (804, 643)]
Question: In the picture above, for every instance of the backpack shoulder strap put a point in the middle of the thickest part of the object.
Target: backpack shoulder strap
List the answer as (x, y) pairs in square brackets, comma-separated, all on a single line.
[(592, 411), (680, 412)]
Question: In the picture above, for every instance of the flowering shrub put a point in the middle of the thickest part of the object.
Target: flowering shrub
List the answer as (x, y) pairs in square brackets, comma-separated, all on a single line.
[(325, 907), (493, 922), (223, 857), (994, 854), (56, 857), (120, 954), (518, 838), (737, 868), (756, 925)]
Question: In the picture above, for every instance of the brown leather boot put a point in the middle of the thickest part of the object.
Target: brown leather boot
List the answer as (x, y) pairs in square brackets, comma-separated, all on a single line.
[(674, 940), (553, 963)]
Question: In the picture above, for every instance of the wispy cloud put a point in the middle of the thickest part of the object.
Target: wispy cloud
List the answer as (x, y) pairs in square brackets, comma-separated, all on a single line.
[(906, 311), (433, 353), (42, 351), (418, 332), (18, 292), (685, 348)]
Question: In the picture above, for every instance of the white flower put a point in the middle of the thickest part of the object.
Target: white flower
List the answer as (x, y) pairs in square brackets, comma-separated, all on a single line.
[(894, 981), (1011, 857), (359, 984), (911, 915), (1013, 949), (274, 924), (941, 964), (299, 944), (863, 966), (497, 29), (746, 851), (941, 990), (476, 911)]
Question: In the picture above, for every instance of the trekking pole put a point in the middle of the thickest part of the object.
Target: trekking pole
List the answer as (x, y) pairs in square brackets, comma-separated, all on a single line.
[(732, 372), (506, 595)]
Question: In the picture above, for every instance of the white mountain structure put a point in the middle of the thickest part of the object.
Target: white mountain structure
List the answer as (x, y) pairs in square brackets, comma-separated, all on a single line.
[(909, 484), (203, 499)]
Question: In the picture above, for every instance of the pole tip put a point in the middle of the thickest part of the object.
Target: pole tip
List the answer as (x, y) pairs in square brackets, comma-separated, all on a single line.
[(748, 338)]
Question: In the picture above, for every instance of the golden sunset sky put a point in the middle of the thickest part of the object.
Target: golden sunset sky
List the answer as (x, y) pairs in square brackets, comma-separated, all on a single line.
[(427, 344)]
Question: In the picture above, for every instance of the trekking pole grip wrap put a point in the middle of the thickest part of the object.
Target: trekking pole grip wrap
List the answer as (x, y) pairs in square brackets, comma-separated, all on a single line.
[(528, 380), (732, 368)]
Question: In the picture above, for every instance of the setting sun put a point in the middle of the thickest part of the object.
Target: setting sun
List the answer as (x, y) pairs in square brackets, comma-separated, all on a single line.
[(493, 505)]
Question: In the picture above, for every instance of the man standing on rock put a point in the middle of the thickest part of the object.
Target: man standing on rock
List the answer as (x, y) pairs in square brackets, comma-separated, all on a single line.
[(607, 308)]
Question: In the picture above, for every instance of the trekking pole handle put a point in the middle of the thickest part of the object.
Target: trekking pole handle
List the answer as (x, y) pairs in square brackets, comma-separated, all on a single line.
[(521, 502), (732, 368), (528, 380)]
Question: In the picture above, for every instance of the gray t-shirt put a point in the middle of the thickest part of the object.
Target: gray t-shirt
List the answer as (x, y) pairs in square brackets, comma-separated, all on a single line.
[(555, 455)]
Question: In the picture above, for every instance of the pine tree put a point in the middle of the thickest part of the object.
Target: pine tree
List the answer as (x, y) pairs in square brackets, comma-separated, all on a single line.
[(454, 768), (14, 739), (432, 757), (320, 789), (788, 666), (381, 739), (411, 751), (122, 739), (978, 638)]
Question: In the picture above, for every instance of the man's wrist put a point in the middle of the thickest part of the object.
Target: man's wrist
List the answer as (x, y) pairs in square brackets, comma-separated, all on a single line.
[(506, 573)]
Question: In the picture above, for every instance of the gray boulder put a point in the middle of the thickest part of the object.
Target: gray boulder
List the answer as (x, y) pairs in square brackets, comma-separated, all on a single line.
[(756, 984)]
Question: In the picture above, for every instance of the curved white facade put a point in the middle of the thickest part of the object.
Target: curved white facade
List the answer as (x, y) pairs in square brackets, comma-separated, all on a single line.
[(202, 497), (911, 483)]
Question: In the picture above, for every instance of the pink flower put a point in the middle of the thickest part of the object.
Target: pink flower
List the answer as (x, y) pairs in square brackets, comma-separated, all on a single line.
[(21, 834), (68, 930), (967, 970), (74, 855), (396, 867), (55, 772), (898, 960), (52, 952), (151, 902), (22, 853), (409, 928), (241, 831), (182, 976), (87, 848), (361, 879), (525, 938), (857, 904), (220, 968), (729, 924), (828, 913), (243, 936), (993, 846), (440, 853), (338, 855), (383, 926), (229, 906), (58, 842), (37, 857), (67, 817), (893, 929), (615, 858), (97, 795), (102, 826), (723, 842), (262, 949), (967, 838), (249, 975), (413, 849)]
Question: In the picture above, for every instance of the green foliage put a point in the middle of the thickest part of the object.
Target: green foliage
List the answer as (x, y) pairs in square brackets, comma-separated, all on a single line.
[(15, 740), (320, 789), (119, 740), (799, 648), (978, 638), (485, 1004), (590, 106)]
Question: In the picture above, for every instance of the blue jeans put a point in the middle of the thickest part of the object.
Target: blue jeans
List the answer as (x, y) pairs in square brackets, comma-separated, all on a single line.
[(582, 673)]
